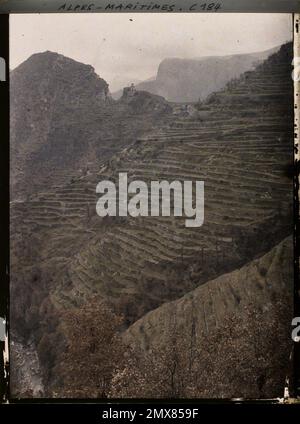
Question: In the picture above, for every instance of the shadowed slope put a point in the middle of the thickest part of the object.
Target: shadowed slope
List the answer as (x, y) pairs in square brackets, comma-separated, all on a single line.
[(231, 335), (240, 143), (64, 122), (187, 80)]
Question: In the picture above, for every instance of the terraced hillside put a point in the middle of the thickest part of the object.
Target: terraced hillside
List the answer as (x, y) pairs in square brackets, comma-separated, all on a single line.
[(229, 337), (241, 151), (240, 143), (64, 121)]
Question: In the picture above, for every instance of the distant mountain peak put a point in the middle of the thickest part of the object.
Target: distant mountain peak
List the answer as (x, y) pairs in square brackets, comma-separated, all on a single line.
[(191, 79)]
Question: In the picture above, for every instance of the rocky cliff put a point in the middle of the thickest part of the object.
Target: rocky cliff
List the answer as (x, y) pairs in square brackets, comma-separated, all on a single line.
[(63, 121), (54, 100), (188, 80)]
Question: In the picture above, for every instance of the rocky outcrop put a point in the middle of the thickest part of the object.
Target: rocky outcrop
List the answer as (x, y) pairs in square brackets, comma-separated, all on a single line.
[(141, 102), (54, 100)]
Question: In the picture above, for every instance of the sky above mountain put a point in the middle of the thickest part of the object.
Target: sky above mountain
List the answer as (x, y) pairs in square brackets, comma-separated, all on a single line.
[(129, 47)]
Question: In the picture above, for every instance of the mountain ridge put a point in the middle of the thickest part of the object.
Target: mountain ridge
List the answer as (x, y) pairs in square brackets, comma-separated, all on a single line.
[(188, 80), (62, 252), (241, 320), (60, 121)]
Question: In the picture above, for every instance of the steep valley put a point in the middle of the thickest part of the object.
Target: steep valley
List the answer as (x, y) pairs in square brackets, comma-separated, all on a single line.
[(65, 122), (239, 141)]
